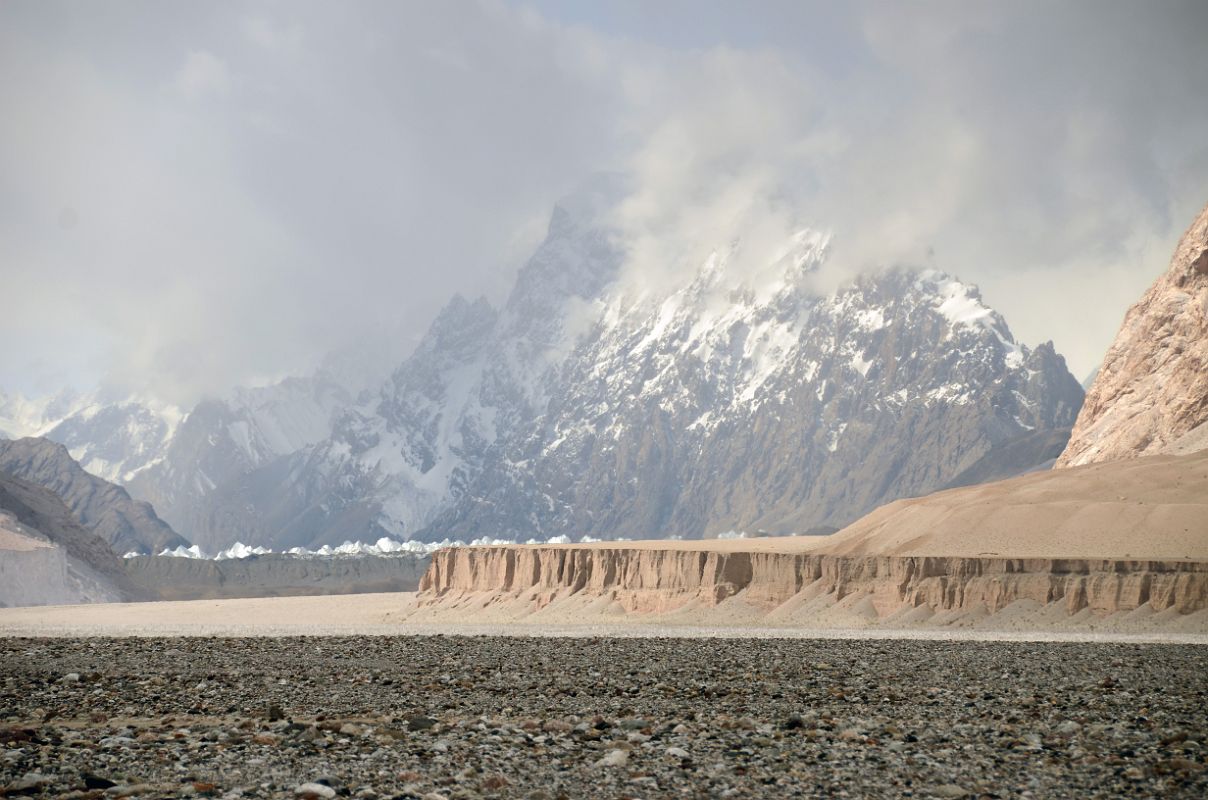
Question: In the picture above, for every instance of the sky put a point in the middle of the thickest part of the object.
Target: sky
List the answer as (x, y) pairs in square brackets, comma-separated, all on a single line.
[(197, 196)]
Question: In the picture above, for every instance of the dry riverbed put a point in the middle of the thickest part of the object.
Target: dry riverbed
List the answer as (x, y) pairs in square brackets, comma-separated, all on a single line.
[(493, 716)]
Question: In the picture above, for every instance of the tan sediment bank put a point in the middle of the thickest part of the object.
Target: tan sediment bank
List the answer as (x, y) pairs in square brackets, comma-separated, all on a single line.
[(644, 580), (1125, 538)]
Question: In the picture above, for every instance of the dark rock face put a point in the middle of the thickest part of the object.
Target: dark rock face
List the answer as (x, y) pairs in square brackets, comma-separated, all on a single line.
[(105, 509), (94, 571), (1029, 453)]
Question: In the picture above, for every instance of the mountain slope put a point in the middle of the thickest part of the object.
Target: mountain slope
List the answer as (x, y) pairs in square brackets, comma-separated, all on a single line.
[(46, 556), (1155, 508), (221, 441), (787, 412), (103, 508), (395, 461), (1152, 389), (593, 403)]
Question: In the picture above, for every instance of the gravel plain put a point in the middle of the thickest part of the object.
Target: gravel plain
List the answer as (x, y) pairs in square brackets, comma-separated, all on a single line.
[(494, 716)]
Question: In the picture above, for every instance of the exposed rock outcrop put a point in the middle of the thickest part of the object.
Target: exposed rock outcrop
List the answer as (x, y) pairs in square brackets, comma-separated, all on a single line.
[(1152, 389), (102, 507)]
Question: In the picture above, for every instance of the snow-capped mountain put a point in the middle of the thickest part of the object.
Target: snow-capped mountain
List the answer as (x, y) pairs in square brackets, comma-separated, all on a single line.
[(775, 410), (393, 462), (112, 439), (173, 459), (738, 400), (221, 441)]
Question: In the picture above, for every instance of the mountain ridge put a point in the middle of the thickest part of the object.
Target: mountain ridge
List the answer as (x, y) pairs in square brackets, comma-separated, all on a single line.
[(104, 508), (591, 402)]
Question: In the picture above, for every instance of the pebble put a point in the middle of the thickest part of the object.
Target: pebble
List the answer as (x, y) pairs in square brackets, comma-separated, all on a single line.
[(484, 717), (614, 758)]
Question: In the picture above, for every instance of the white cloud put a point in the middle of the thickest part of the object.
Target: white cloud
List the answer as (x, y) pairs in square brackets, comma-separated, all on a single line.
[(401, 153), (272, 35), (202, 73)]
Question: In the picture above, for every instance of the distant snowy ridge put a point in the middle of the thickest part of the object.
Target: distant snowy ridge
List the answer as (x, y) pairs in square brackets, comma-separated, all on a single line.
[(112, 439)]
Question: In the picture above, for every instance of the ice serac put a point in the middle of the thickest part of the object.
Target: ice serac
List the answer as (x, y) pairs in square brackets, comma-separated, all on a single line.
[(1151, 393), (105, 509)]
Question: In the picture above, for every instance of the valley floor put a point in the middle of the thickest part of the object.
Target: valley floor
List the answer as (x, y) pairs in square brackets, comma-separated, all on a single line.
[(400, 613), (438, 717)]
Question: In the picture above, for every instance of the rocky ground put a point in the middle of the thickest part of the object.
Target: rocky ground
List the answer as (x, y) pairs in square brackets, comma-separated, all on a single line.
[(461, 717)]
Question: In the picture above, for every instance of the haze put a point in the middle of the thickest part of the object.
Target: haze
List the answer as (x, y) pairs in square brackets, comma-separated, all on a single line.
[(200, 196)]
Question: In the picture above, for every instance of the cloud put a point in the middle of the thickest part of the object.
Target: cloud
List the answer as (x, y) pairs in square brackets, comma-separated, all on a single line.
[(367, 161), (273, 35), (1053, 164), (202, 73)]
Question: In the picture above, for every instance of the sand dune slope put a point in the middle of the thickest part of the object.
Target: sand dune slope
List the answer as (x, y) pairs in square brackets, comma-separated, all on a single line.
[(1150, 508)]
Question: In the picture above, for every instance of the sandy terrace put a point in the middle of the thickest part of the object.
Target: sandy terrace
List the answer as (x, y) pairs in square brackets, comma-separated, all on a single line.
[(1143, 509)]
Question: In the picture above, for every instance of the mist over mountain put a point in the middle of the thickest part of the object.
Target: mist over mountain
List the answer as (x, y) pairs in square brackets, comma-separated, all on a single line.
[(746, 396), (209, 198)]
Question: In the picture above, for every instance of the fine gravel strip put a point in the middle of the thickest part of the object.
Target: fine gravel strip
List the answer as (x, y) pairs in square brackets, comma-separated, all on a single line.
[(465, 717)]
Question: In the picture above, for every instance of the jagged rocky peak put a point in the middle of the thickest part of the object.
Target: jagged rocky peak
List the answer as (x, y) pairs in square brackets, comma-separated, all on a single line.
[(1151, 393), (733, 396), (456, 336), (730, 404)]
